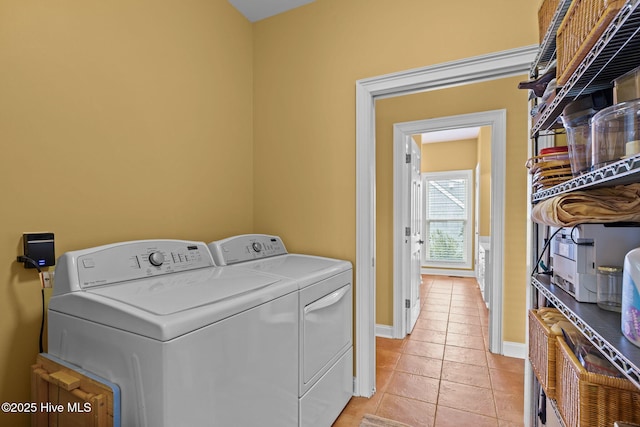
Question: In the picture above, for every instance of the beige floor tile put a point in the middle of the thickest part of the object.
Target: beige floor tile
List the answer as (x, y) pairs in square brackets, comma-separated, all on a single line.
[(427, 335), (408, 411), (513, 364), (347, 420), (463, 373), (466, 398), (418, 365), (387, 359), (389, 344), (467, 341), (507, 381), (510, 406), (470, 311), (434, 315), (469, 356), (414, 387), (424, 349), (383, 376), (464, 319), (466, 328), (358, 406)]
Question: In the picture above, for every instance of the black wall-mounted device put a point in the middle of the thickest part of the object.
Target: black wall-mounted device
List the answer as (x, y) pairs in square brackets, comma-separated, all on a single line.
[(40, 248)]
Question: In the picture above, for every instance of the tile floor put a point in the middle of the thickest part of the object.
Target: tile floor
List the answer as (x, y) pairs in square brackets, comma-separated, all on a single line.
[(442, 374)]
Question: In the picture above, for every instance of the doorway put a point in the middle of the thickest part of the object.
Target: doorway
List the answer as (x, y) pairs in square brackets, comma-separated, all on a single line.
[(470, 70), (496, 120)]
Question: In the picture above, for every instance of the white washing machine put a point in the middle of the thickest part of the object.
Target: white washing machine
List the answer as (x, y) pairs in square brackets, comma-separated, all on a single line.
[(189, 344), (325, 316)]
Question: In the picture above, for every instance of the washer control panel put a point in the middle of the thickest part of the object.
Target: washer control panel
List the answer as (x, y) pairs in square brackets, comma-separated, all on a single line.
[(247, 247), (126, 261)]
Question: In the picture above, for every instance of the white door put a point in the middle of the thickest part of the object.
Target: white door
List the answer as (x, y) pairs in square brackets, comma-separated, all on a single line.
[(414, 235)]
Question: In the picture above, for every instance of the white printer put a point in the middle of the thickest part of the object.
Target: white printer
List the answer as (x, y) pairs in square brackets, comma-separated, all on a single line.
[(578, 251)]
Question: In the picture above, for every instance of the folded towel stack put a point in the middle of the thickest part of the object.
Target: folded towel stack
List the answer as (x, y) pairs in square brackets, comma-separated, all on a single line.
[(601, 205)]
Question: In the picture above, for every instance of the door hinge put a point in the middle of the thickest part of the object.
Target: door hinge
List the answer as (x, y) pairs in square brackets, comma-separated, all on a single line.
[(407, 303), (407, 231), (407, 158)]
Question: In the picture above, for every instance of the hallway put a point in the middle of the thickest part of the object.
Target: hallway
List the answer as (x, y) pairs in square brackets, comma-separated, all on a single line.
[(442, 374)]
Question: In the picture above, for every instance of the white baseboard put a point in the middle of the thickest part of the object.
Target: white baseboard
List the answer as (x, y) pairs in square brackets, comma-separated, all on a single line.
[(384, 331), (446, 272), (514, 349)]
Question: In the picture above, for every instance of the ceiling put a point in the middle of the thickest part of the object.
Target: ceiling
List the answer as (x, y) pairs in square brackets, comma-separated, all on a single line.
[(255, 10), (451, 135)]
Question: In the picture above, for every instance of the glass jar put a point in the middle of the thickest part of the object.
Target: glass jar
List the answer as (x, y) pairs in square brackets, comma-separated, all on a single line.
[(610, 288)]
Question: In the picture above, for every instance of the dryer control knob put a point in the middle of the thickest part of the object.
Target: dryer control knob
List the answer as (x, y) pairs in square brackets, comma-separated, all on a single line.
[(257, 246), (156, 258)]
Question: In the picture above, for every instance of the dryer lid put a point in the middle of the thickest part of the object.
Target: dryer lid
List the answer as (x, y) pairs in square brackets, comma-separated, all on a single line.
[(305, 269)]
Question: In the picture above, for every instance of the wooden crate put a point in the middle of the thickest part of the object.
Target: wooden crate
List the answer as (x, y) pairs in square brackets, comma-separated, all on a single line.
[(542, 352), (85, 401), (581, 27), (590, 399)]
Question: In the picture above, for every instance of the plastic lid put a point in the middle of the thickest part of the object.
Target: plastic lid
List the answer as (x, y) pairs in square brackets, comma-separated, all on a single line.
[(595, 101), (554, 150)]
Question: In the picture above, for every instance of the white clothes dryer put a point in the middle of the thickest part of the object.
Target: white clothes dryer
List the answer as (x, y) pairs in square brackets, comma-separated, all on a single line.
[(325, 316), (189, 344)]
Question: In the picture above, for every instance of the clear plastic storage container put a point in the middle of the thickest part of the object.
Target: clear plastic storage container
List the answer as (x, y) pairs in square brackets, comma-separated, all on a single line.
[(615, 132), (609, 295), (575, 118)]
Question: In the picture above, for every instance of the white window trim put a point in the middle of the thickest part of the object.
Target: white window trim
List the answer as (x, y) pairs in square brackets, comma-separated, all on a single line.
[(468, 232)]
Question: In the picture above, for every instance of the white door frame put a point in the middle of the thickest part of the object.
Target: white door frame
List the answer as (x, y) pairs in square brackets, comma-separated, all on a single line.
[(497, 119), (466, 71)]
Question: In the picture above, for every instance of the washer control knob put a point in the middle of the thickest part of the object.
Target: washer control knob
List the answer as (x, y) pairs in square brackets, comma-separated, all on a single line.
[(257, 246), (156, 258)]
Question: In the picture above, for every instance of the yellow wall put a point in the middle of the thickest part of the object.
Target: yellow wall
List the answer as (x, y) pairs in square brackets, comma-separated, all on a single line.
[(486, 96), (484, 159), (449, 156), (306, 64), (119, 120)]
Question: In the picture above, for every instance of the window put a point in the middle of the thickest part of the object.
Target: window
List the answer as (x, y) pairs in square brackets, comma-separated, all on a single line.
[(448, 219)]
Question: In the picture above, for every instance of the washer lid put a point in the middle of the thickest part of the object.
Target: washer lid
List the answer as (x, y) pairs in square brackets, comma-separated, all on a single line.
[(305, 269), (168, 306)]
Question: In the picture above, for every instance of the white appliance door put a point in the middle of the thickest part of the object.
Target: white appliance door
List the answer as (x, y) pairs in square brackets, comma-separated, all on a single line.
[(326, 323), (415, 239)]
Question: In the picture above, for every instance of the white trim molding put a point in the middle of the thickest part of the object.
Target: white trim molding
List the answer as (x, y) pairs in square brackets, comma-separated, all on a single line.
[(384, 331), (515, 349), (465, 71), (496, 119)]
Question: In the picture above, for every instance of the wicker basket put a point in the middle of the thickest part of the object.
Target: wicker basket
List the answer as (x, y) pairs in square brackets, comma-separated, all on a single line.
[(581, 27), (589, 399), (542, 352), (545, 15)]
